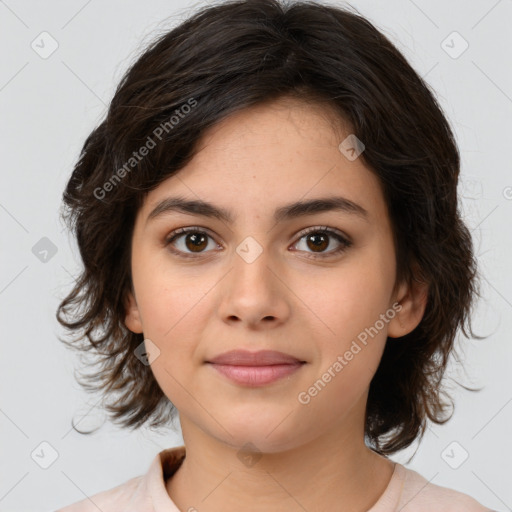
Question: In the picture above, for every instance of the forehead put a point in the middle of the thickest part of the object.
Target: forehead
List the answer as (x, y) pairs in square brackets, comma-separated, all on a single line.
[(265, 156), (277, 128)]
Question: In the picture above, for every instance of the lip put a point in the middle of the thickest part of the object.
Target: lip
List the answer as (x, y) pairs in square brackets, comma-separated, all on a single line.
[(259, 358), (255, 368)]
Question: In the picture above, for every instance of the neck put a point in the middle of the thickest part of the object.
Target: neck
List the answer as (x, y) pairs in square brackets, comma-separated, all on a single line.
[(321, 473)]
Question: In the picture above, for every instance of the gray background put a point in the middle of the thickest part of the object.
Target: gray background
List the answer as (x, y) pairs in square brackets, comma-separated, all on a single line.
[(48, 107)]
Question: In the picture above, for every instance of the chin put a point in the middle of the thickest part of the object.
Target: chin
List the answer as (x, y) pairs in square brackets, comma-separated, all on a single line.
[(268, 433)]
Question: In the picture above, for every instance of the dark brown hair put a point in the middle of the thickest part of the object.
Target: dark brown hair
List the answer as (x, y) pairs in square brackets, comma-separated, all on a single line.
[(231, 56)]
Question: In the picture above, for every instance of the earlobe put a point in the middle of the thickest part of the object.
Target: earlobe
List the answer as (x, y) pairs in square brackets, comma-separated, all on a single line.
[(132, 318), (413, 302)]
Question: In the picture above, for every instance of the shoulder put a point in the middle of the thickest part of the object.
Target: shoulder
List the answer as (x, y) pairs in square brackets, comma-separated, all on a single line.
[(420, 495), (139, 494), (109, 500)]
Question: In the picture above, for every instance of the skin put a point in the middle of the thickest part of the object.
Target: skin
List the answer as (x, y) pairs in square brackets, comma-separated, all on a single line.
[(311, 456)]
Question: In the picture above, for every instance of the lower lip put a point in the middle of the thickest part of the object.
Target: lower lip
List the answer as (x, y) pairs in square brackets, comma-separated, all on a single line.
[(256, 375)]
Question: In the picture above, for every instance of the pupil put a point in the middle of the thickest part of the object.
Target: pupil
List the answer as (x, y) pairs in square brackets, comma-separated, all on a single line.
[(315, 238), (197, 241)]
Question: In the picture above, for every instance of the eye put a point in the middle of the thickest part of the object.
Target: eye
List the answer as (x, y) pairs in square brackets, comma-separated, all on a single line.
[(319, 238), (190, 239), (191, 242)]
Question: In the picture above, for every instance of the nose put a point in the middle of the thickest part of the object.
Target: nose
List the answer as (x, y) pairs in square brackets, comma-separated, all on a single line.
[(254, 294)]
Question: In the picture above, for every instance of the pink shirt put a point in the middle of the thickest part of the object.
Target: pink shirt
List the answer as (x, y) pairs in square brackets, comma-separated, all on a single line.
[(407, 491)]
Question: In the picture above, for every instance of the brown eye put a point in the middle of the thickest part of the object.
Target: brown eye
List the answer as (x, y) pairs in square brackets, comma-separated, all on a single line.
[(196, 242), (187, 241), (318, 240)]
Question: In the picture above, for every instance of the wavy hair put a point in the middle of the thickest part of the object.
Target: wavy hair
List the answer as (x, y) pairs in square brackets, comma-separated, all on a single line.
[(225, 58)]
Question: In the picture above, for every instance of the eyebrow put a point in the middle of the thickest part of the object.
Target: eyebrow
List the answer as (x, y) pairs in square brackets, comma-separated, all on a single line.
[(287, 212)]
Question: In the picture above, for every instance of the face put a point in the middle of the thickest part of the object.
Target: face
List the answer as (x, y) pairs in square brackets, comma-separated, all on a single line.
[(309, 283)]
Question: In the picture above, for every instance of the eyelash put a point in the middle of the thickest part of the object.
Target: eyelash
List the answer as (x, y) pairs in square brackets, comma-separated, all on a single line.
[(345, 243)]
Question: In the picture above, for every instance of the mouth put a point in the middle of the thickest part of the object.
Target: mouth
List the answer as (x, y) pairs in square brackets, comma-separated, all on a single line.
[(255, 369)]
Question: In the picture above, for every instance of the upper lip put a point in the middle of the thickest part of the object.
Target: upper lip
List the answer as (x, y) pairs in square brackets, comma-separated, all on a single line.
[(260, 358)]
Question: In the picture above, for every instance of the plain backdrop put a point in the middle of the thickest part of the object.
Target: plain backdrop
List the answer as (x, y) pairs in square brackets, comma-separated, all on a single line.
[(49, 104)]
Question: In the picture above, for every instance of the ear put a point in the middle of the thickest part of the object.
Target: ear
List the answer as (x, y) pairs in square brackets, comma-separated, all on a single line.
[(412, 298), (132, 318)]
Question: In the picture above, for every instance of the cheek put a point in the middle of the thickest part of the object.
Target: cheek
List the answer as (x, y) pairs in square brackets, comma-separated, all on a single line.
[(172, 320), (346, 301), (173, 307), (168, 298)]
